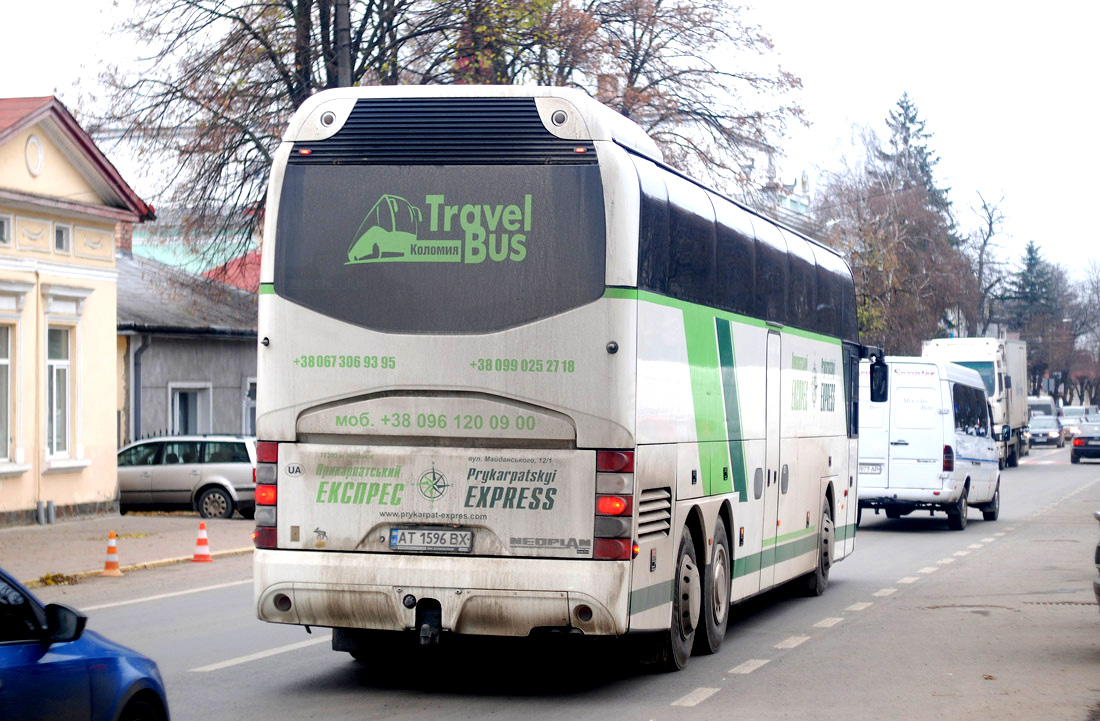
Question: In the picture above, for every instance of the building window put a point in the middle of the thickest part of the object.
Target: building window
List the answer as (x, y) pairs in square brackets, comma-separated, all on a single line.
[(5, 391), (250, 408), (57, 392), (5, 229), (190, 408), (62, 238)]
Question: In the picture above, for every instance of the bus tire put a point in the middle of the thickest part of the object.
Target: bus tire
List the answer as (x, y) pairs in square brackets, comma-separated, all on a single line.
[(818, 580), (687, 592), (716, 594), (956, 514)]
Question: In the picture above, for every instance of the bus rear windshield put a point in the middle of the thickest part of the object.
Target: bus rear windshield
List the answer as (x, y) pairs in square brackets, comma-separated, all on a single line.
[(440, 249)]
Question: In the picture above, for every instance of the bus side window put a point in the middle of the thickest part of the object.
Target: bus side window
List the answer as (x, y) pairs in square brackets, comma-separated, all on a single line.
[(691, 247), (653, 229), (771, 273), (736, 250), (802, 283)]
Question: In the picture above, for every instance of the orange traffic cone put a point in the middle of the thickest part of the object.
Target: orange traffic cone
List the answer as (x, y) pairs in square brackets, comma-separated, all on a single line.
[(110, 568), (202, 546)]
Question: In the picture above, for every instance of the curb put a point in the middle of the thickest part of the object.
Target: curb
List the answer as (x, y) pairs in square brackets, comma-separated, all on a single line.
[(37, 583)]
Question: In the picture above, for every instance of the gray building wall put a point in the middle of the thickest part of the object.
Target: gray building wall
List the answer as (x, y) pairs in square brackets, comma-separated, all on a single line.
[(218, 367)]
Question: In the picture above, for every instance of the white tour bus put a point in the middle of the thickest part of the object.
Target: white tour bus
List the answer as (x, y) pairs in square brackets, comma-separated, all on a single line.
[(516, 375), (931, 445)]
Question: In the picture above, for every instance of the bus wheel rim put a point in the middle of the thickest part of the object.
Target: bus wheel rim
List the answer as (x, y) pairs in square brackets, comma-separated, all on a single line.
[(720, 596), (689, 592)]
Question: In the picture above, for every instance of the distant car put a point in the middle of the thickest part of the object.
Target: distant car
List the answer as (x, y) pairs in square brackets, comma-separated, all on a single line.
[(51, 667), (1096, 581), (214, 475), (1086, 443), (1046, 430)]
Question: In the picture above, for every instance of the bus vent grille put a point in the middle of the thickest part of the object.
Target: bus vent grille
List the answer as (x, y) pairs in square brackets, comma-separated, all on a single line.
[(654, 513), (444, 131)]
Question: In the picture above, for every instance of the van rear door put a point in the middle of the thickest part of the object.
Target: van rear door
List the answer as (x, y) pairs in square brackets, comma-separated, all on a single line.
[(916, 426)]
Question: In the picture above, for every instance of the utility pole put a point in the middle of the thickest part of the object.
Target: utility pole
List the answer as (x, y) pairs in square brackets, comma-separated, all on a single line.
[(343, 44)]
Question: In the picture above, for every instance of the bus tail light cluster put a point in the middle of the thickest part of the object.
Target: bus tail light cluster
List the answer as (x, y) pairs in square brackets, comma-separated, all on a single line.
[(267, 476), (614, 506), (948, 459)]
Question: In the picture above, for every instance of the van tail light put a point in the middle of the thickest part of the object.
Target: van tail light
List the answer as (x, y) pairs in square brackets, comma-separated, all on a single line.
[(614, 507), (265, 475), (948, 459)]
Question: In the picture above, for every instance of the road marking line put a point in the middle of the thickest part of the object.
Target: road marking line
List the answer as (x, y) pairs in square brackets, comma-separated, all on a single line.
[(962, 553), (792, 642), (909, 579), (862, 605), (696, 697), (945, 561), (165, 595), (928, 569), (998, 535), (882, 593), (1012, 528), (262, 654), (975, 545), (828, 622), (988, 540), (749, 666)]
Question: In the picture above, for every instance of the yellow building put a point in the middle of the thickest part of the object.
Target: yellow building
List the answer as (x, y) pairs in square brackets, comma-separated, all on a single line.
[(61, 205)]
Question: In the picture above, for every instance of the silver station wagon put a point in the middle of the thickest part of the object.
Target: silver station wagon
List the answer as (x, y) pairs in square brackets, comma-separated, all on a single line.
[(214, 475)]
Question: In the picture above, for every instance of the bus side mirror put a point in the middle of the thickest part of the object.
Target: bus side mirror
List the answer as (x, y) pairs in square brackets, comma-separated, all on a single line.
[(879, 372)]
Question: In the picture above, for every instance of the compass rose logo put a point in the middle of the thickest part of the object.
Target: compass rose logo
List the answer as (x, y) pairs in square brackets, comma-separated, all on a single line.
[(432, 484)]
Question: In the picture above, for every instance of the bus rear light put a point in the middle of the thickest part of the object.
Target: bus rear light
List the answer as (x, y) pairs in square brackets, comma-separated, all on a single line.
[(948, 459), (267, 452), (612, 549), (614, 505), (305, 151), (264, 537), (580, 150), (613, 527), (615, 461), (266, 495), (635, 549)]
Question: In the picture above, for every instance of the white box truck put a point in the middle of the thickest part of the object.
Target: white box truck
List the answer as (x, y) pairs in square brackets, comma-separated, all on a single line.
[(1002, 365)]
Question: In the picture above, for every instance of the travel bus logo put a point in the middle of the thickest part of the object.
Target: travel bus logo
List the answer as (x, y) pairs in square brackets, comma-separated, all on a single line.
[(392, 229)]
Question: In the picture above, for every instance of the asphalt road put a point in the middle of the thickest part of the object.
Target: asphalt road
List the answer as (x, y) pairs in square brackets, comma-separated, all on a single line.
[(997, 621)]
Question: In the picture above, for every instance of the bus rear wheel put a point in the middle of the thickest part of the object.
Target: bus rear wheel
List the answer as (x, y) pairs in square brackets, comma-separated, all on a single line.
[(716, 595), (687, 595)]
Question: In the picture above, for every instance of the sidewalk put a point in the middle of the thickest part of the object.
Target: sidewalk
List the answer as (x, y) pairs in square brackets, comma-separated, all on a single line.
[(80, 546)]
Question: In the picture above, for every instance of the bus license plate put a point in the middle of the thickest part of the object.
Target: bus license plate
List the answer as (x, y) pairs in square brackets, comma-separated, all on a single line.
[(447, 540)]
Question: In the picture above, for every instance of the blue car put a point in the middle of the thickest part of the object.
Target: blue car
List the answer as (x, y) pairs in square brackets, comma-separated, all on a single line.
[(52, 668)]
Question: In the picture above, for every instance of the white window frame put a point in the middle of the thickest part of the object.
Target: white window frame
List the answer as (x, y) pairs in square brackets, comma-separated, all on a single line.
[(7, 230), (5, 412), (206, 410), (68, 233), (64, 308), (52, 366), (247, 403)]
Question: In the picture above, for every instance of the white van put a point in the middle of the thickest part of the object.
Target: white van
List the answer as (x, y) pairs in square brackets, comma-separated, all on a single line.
[(930, 445)]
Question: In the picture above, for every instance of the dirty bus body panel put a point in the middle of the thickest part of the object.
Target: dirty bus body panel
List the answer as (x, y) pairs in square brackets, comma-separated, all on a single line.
[(505, 387)]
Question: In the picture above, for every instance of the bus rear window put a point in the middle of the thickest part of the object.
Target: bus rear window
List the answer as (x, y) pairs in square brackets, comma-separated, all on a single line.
[(430, 249)]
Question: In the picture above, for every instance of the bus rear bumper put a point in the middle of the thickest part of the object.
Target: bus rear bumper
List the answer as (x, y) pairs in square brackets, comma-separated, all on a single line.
[(484, 596)]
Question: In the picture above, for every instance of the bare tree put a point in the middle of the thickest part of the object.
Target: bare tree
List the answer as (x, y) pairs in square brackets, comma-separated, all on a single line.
[(222, 77), (988, 270)]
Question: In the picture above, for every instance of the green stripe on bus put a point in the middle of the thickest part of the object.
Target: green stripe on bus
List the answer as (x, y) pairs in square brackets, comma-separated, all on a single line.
[(843, 533), (622, 293), (771, 556), (788, 536), (728, 361), (706, 392), (650, 597), (267, 289), (649, 297)]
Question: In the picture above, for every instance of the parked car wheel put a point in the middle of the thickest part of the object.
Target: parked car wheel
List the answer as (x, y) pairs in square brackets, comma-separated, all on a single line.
[(215, 503)]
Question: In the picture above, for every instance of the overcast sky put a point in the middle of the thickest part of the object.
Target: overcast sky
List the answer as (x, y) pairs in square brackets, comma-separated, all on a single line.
[(1006, 88)]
